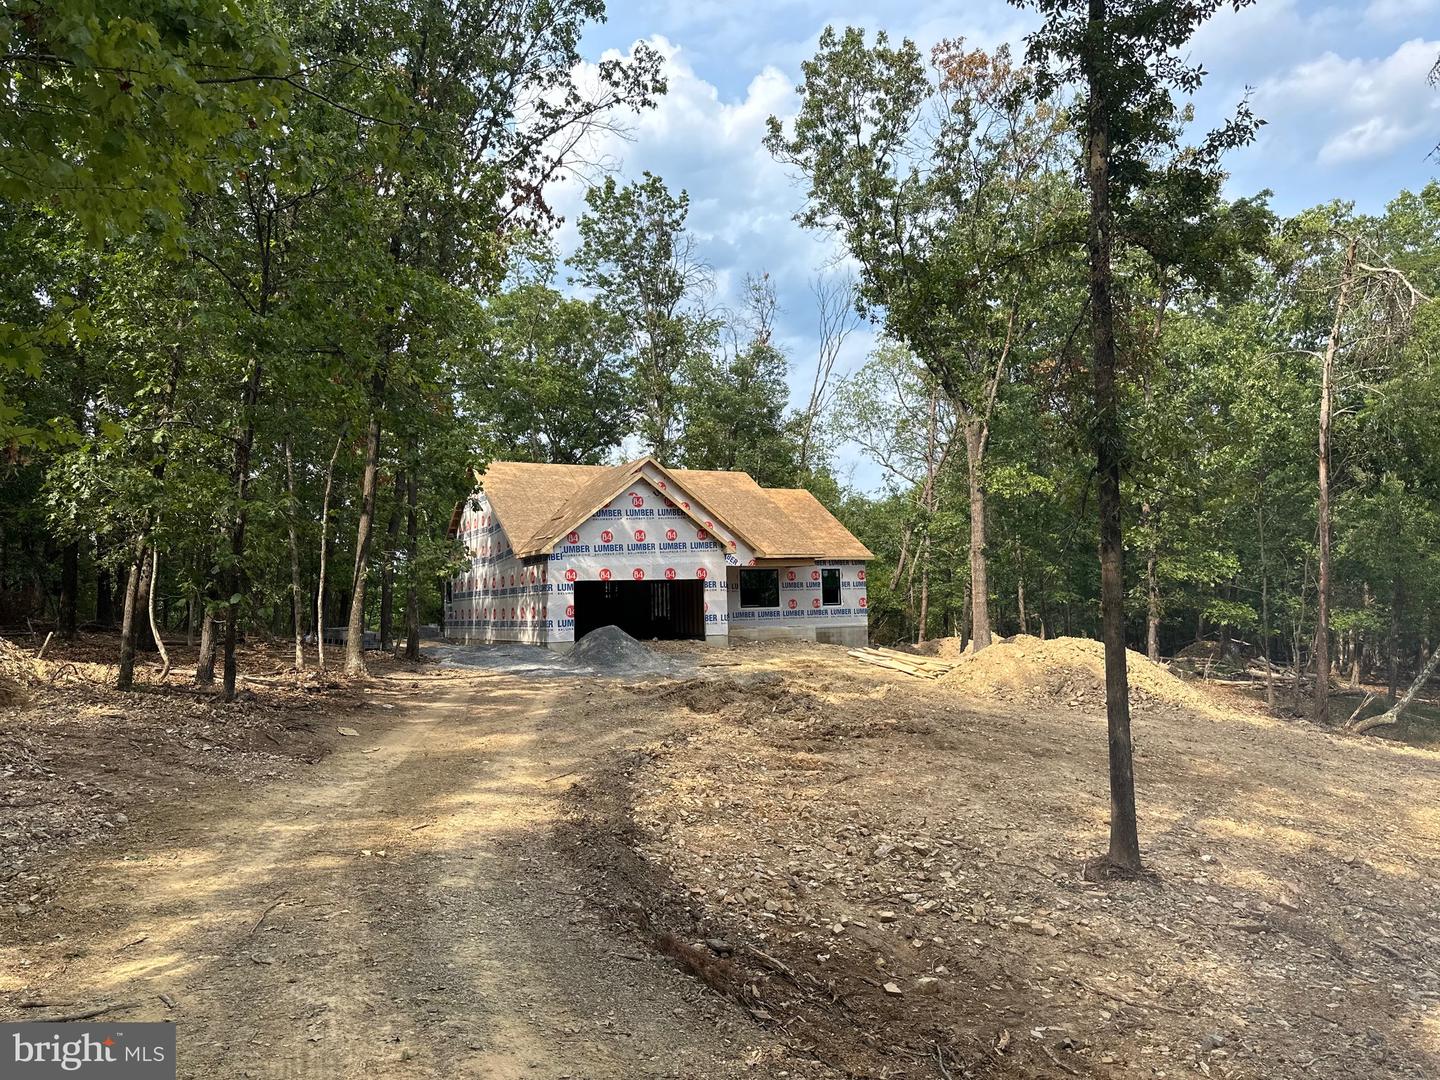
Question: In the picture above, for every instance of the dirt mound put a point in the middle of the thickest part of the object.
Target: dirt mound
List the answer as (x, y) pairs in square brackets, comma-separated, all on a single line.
[(1066, 670), (744, 700), (946, 648), (16, 674), (611, 651)]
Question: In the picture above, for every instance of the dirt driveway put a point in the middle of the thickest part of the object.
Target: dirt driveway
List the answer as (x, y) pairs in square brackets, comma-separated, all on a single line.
[(397, 912)]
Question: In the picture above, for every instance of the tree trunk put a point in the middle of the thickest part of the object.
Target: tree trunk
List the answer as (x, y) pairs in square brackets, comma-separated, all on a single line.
[(235, 576), (1124, 850), (965, 610), (150, 607), (69, 589), (904, 553), (979, 576), (297, 587), (1392, 644), (1265, 612), (387, 570), (1020, 604), (205, 665), (924, 590), (412, 556), (355, 638), (1152, 609), (125, 677), (1393, 714), (324, 529), (1320, 709), (1296, 690), (104, 591)]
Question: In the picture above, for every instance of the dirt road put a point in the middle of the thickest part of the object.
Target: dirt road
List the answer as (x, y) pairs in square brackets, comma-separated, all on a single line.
[(398, 912)]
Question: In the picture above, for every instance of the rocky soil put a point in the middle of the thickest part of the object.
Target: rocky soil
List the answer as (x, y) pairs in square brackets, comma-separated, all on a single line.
[(786, 864), (890, 870)]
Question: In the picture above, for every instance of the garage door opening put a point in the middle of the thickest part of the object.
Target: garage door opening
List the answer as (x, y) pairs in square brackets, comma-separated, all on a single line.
[(647, 610)]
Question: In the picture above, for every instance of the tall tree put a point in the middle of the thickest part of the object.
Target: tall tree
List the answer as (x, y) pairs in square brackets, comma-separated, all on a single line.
[(555, 385), (1355, 314), (1123, 56), (643, 267), (499, 95), (733, 398), (944, 183), (894, 409)]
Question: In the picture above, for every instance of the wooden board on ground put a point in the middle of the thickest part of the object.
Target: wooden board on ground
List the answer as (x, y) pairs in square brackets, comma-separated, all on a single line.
[(924, 667)]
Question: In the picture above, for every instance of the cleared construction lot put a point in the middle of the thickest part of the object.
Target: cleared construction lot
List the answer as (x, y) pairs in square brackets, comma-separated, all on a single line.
[(781, 861)]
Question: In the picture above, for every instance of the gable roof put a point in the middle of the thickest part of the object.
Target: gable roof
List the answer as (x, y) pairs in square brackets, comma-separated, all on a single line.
[(538, 504)]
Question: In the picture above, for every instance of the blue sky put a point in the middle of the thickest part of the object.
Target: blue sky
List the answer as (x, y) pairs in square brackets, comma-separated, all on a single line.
[(1342, 87)]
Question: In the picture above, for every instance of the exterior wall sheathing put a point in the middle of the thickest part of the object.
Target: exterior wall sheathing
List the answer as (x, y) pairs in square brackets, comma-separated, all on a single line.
[(647, 532)]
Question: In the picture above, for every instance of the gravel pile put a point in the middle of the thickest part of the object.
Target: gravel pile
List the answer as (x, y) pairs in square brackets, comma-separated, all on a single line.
[(611, 652), (608, 652)]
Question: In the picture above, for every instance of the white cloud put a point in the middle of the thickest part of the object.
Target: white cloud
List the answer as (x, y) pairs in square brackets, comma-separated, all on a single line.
[(1400, 14), (1357, 109), (1350, 114), (742, 201)]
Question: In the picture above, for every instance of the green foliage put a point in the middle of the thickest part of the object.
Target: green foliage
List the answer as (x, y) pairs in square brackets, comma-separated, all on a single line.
[(733, 401), (945, 183), (554, 386), (642, 266)]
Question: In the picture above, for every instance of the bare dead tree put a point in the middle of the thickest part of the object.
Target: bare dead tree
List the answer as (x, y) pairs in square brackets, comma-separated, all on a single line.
[(1392, 715), (838, 319), (1375, 306)]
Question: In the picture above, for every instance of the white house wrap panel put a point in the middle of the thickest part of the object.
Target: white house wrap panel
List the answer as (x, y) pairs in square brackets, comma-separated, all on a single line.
[(653, 556), (501, 597), (640, 535)]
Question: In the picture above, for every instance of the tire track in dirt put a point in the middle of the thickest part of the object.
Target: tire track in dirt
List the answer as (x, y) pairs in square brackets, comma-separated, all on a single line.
[(402, 910)]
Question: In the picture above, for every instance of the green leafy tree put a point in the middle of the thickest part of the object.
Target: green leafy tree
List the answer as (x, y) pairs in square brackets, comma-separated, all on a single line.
[(734, 399), (555, 387), (944, 182), (113, 115), (1124, 57), (643, 268)]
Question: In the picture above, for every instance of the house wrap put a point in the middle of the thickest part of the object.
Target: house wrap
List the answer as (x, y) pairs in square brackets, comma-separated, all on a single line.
[(556, 551)]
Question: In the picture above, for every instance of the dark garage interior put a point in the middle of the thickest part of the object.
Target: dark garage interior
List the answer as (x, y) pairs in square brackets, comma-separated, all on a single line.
[(647, 610)]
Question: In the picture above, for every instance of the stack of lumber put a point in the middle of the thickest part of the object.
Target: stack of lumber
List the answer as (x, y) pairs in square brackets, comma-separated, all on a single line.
[(924, 667)]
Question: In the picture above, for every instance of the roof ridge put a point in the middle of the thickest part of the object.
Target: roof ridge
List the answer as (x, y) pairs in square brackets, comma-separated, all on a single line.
[(773, 522)]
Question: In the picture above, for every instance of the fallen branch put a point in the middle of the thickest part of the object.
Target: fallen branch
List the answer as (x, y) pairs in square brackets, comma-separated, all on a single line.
[(1115, 995), (85, 1014), (1359, 709), (271, 907), (1058, 1063), (1393, 714), (940, 1061)]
